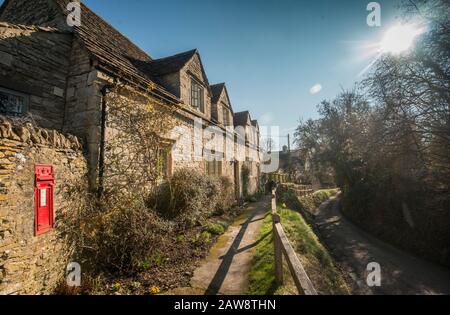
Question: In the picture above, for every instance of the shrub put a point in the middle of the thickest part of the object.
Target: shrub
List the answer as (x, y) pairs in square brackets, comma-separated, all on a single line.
[(308, 205), (190, 196), (226, 197), (113, 234)]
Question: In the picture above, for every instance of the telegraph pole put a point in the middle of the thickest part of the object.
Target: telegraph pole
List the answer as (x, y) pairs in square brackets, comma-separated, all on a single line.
[(289, 156)]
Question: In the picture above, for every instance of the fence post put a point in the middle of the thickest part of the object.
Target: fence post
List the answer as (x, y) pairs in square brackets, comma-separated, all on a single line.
[(277, 242)]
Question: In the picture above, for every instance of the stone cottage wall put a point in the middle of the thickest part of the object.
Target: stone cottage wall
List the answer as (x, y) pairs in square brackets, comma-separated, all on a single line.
[(35, 62), (83, 104), (32, 264)]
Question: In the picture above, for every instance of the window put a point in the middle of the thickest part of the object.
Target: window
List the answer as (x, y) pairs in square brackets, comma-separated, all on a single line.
[(12, 103), (197, 95), (164, 163), (214, 168), (249, 166), (226, 117)]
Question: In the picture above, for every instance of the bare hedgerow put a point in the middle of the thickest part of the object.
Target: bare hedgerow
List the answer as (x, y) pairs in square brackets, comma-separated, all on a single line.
[(111, 234), (189, 197)]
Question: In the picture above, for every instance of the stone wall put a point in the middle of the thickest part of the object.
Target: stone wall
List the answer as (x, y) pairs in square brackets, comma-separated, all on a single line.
[(254, 166), (254, 180), (32, 264), (186, 152), (31, 12), (83, 104), (35, 62)]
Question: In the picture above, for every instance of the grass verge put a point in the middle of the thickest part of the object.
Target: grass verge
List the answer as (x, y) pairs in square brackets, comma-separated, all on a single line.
[(316, 260)]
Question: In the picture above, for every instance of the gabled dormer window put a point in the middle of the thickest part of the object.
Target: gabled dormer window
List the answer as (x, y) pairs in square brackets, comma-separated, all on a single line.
[(197, 98), (13, 103)]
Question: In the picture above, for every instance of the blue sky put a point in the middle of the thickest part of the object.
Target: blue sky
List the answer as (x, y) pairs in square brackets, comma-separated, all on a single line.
[(269, 52)]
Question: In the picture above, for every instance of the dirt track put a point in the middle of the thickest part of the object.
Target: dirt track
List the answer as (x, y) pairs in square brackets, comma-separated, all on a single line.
[(353, 249)]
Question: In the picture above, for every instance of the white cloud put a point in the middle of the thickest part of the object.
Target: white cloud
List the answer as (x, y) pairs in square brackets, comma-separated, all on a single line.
[(315, 89)]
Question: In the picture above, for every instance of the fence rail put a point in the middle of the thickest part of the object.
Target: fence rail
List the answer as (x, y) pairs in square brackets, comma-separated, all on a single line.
[(284, 248), (300, 190)]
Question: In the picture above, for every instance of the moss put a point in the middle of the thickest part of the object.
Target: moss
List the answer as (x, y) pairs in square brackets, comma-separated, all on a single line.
[(216, 228), (205, 237)]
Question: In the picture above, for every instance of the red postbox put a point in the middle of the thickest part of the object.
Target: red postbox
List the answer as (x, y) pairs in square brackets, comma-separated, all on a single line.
[(45, 182)]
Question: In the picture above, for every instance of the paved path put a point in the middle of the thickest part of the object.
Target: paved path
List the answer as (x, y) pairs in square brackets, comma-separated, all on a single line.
[(401, 273), (225, 270)]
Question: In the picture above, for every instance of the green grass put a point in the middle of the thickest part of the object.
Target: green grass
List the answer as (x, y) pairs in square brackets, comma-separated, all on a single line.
[(262, 277), (307, 206), (316, 260)]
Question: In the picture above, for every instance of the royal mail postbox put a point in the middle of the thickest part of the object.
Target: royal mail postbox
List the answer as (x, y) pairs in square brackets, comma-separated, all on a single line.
[(45, 182)]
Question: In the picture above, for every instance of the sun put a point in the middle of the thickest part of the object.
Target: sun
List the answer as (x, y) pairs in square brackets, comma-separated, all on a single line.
[(399, 38)]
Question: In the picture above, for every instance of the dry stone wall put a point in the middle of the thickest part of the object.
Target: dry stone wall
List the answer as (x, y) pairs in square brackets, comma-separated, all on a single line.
[(32, 264)]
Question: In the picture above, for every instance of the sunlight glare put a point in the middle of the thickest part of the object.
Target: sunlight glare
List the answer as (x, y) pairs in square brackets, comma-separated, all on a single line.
[(399, 38)]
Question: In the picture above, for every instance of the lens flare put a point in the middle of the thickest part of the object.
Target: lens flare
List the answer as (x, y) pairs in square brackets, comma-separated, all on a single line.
[(399, 38)]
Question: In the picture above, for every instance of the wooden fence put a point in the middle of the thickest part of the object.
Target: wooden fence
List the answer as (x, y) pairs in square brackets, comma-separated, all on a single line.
[(284, 248), (300, 190)]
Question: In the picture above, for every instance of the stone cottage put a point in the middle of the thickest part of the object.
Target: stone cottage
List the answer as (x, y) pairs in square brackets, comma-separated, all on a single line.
[(57, 76)]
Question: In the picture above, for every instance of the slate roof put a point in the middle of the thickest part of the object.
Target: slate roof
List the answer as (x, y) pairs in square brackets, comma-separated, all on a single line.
[(255, 123), (33, 28), (171, 64), (115, 51), (241, 118), (216, 91)]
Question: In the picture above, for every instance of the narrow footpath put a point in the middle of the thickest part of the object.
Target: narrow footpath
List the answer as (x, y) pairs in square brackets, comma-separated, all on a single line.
[(354, 249), (225, 270)]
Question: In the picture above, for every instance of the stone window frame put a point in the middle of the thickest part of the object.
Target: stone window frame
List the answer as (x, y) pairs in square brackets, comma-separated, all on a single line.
[(248, 164), (225, 116), (165, 162), (214, 168), (25, 105), (197, 99)]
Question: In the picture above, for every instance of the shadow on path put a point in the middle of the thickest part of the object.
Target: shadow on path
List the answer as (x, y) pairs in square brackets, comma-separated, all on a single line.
[(227, 259)]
